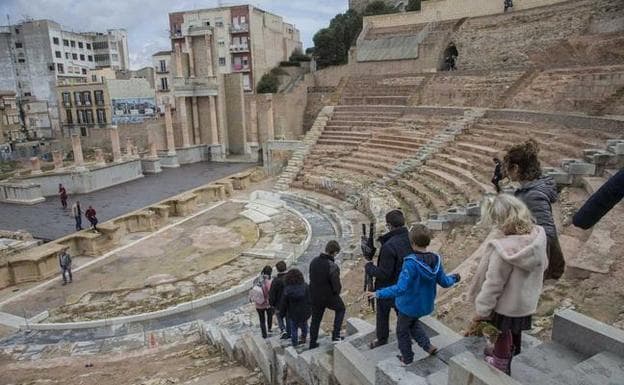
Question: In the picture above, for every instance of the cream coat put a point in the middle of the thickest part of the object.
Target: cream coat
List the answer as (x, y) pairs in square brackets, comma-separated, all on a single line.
[(510, 275)]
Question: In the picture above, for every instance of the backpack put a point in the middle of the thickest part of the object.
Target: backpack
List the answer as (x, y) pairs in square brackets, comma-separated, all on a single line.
[(256, 295)]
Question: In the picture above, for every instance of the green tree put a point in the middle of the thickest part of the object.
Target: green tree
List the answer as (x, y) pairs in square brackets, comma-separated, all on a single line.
[(378, 8), (268, 84), (413, 5)]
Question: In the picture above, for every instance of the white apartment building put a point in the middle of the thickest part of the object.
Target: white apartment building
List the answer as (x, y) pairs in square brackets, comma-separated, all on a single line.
[(163, 80)]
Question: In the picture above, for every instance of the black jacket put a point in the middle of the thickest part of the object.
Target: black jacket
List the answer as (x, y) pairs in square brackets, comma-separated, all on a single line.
[(599, 204), (277, 289), (395, 246), (324, 280), (296, 302)]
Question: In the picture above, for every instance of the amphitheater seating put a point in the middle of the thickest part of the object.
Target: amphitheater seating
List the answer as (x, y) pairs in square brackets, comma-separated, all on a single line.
[(380, 89)]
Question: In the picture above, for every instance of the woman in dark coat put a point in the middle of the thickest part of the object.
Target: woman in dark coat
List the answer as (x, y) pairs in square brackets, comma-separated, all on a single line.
[(297, 305), (601, 202)]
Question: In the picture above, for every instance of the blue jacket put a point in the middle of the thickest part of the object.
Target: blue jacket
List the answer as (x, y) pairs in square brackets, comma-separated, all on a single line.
[(415, 292)]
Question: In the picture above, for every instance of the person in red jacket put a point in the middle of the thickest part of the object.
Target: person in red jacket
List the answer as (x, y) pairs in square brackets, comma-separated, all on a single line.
[(63, 196), (90, 214)]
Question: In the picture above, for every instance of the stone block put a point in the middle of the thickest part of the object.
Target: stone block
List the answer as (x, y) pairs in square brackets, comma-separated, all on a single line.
[(577, 167), (438, 225), (473, 209), (168, 160), (560, 177), (359, 326), (389, 372), (351, 367), (466, 369), (151, 166), (586, 335), (616, 146)]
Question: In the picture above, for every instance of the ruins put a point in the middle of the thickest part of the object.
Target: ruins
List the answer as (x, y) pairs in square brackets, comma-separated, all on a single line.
[(390, 129)]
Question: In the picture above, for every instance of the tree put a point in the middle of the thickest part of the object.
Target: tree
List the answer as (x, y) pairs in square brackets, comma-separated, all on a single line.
[(378, 8), (268, 84), (413, 5)]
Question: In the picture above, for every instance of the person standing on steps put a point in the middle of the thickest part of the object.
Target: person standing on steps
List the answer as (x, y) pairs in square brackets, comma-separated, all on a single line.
[(395, 245), (325, 290), (601, 202), (77, 214), (538, 193), (65, 262), (498, 174), (415, 293), (296, 305), (259, 295), (508, 281), (90, 214), (275, 296), (63, 196)]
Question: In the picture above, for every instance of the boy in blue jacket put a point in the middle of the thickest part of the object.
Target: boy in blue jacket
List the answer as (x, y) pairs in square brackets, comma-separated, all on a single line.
[(415, 293)]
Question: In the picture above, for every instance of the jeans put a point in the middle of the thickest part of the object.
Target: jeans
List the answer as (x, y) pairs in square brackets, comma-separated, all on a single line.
[(68, 271), (266, 320), (294, 328), (78, 222), (94, 222), (317, 316), (283, 323), (384, 306), (408, 328)]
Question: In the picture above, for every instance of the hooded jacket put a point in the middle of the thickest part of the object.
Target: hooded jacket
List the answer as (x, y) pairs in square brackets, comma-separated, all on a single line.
[(295, 302), (277, 288), (395, 246), (510, 275), (539, 195), (325, 283), (415, 291)]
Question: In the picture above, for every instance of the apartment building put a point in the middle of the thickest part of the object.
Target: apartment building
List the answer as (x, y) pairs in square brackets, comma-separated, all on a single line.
[(10, 122), (248, 40), (35, 55), (163, 79)]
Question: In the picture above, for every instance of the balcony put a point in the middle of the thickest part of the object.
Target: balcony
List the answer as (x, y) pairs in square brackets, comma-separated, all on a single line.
[(240, 68), (239, 48), (198, 30), (159, 70), (161, 89), (189, 87), (239, 28)]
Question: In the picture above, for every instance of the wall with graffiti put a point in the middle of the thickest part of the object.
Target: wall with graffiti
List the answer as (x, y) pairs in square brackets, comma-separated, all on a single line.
[(133, 110)]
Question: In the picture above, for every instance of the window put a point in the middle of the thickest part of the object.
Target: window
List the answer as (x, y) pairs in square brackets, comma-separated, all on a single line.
[(99, 97), (66, 98), (114, 57), (67, 55), (59, 68), (101, 116), (88, 45), (94, 79), (86, 97), (73, 43), (83, 131), (18, 45), (21, 60), (163, 84), (89, 116), (221, 43), (84, 71), (66, 42), (90, 58), (82, 57), (55, 40), (222, 61), (219, 22), (80, 45), (75, 56), (163, 66), (70, 116), (50, 67), (17, 31), (27, 94), (58, 54), (78, 98)]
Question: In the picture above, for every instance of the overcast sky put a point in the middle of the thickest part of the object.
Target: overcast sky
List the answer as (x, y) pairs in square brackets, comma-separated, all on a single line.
[(147, 20)]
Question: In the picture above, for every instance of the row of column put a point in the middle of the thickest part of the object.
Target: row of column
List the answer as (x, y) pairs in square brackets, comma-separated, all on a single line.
[(194, 130)]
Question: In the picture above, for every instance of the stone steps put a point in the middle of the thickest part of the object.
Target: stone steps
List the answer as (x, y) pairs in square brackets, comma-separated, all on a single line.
[(384, 159), (456, 185), (338, 142), (374, 100), (359, 168), (428, 193), (483, 150), (459, 172), (417, 139), (539, 364), (369, 160), (602, 368), (405, 151), (345, 135), (417, 207)]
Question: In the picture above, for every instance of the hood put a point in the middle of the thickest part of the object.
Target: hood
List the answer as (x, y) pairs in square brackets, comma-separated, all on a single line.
[(545, 184), (327, 256), (525, 251), (428, 272), (297, 291), (386, 237)]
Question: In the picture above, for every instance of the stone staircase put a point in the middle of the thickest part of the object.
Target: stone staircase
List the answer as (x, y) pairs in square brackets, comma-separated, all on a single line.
[(582, 351), (295, 163)]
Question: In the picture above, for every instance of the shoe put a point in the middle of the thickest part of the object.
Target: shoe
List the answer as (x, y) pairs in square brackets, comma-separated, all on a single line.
[(376, 344), (285, 336), (313, 345), (336, 340), (404, 362), (302, 341), (432, 350), (64, 283)]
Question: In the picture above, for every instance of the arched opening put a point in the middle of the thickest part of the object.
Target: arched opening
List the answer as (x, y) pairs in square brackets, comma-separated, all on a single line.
[(450, 57)]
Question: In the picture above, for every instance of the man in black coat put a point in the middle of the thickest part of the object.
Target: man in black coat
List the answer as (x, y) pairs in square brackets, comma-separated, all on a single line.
[(275, 297), (395, 246), (599, 204), (325, 290)]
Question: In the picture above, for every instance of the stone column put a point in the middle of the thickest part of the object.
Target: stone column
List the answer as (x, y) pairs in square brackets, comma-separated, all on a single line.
[(169, 130), (178, 58), (189, 47), (184, 122), (195, 113), (208, 39), (99, 156), (35, 165), (77, 147), (214, 127), (253, 120), (129, 150), (270, 119), (151, 144), (114, 135), (57, 158)]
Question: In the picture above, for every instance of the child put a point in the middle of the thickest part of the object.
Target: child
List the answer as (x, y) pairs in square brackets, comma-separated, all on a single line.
[(415, 293), (297, 306), (275, 297), (259, 295)]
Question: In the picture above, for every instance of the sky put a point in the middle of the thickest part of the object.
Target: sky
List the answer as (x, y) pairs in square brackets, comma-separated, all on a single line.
[(147, 21)]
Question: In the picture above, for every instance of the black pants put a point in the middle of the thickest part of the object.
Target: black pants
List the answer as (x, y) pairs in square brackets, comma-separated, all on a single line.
[(556, 262), (266, 320), (495, 182), (384, 306), (317, 316), (409, 328)]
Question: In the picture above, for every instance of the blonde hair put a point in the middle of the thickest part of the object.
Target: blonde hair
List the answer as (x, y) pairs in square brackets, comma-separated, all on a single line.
[(507, 213)]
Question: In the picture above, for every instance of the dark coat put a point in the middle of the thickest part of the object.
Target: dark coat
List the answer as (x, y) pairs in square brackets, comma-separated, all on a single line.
[(599, 204), (277, 289), (539, 195), (395, 246), (296, 302), (325, 284)]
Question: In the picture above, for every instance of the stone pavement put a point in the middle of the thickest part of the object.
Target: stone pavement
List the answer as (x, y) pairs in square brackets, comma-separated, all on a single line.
[(48, 220)]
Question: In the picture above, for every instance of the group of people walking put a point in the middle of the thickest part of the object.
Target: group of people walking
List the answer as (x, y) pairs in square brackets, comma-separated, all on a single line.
[(76, 210)]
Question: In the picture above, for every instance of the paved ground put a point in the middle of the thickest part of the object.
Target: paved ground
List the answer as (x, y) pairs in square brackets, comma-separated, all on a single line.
[(48, 220)]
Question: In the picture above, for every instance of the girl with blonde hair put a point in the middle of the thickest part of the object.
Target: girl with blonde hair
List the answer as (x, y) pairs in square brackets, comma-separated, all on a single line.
[(508, 281)]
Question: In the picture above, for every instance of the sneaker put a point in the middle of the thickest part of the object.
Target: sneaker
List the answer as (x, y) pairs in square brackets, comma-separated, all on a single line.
[(64, 283), (336, 340), (432, 350), (376, 344), (313, 345), (404, 362), (302, 341), (285, 336)]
